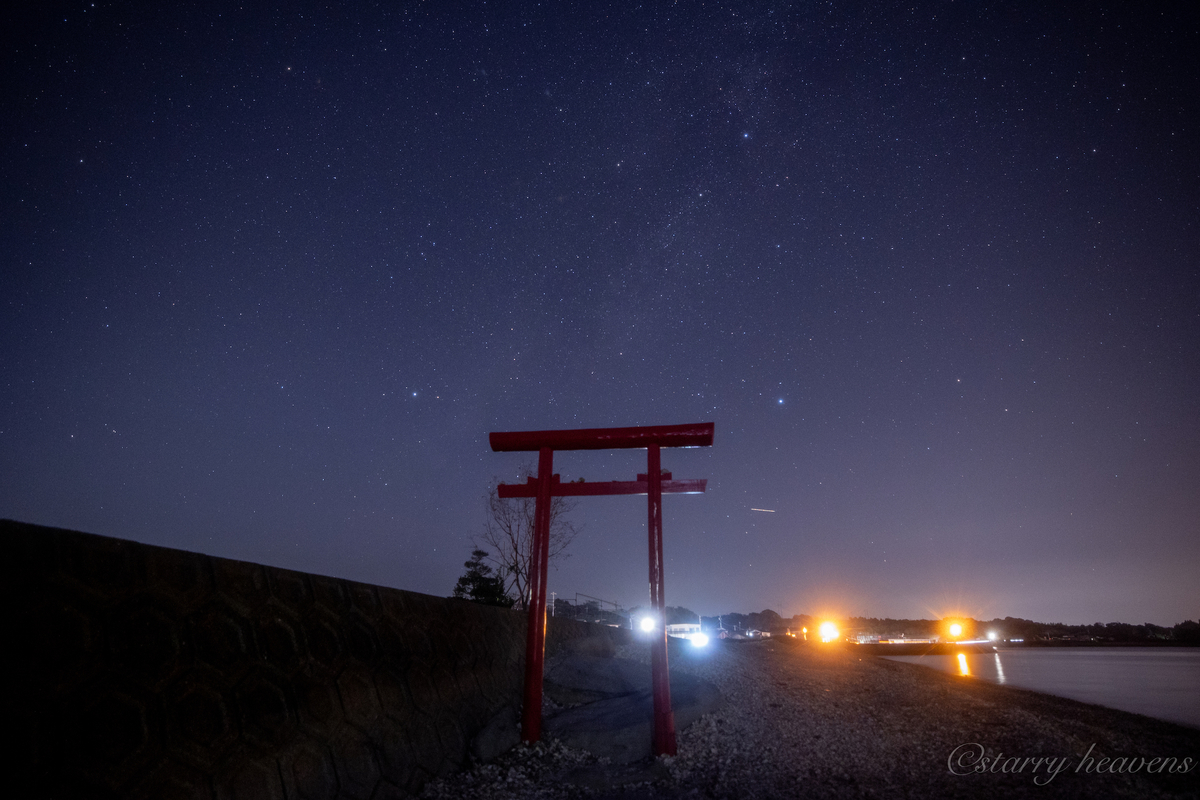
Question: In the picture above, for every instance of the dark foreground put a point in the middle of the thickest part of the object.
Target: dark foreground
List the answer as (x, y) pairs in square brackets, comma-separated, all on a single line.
[(806, 720)]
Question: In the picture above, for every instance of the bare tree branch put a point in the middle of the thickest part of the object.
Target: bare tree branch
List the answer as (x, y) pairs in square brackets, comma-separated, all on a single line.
[(508, 533)]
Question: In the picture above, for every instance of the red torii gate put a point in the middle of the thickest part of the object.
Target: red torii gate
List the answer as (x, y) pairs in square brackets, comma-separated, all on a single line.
[(547, 485)]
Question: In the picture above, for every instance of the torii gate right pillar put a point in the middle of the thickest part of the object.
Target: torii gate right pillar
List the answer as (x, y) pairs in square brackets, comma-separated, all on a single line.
[(664, 716)]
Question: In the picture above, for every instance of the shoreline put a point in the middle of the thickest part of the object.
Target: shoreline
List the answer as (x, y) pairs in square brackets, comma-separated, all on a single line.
[(950, 648), (1151, 645), (809, 720)]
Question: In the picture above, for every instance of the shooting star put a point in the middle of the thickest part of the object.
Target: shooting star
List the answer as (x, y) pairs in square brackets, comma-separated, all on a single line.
[(767, 510)]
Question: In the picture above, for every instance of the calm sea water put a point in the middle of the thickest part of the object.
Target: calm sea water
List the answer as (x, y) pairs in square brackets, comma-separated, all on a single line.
[(1162, 682)]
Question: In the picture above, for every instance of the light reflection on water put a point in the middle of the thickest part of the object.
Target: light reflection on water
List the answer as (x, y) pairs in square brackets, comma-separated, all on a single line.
[(1159, 682)]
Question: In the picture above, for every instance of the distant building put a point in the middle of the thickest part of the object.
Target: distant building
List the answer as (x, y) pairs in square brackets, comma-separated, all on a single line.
[(683, 630)]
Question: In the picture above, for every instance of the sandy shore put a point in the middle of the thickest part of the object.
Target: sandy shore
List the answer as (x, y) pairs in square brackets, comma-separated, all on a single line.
[(804, 720)]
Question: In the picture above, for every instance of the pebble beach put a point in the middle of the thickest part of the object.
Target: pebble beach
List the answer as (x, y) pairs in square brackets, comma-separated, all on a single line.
[(807, 720)]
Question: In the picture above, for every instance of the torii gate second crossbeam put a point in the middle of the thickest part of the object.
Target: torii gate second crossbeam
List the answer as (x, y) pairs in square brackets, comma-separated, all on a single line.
[(546, 486)]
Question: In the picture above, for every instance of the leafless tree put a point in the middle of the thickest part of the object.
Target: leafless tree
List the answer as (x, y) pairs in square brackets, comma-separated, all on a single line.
[(508, 535)]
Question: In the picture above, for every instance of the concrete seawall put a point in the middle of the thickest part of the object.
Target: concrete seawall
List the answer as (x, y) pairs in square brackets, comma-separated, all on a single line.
[(144, 671)]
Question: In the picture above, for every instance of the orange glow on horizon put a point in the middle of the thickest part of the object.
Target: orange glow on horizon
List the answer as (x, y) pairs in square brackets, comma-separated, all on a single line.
[(956, 628)]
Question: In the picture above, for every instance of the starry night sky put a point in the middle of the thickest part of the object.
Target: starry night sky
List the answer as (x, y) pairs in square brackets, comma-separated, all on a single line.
[(270, 277)]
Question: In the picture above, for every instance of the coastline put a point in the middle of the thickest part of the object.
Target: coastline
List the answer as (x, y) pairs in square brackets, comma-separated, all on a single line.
[(1061, 643), (808, 720)]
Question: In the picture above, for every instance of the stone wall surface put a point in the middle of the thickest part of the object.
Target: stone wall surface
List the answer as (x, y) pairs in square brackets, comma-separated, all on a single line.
[(144, 671)]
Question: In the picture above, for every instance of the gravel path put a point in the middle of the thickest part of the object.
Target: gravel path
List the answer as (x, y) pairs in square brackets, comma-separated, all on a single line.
[(806, 720)]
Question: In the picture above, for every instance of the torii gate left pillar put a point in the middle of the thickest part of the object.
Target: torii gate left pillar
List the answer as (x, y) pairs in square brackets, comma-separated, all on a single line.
[(544, 487)]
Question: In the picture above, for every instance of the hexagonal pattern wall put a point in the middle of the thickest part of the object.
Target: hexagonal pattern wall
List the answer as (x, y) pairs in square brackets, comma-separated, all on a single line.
[(143, 671)]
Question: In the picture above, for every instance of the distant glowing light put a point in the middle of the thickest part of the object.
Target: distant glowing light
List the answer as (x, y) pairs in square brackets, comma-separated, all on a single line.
[(962, 665), (992, 635), (828, 631), (699, 640), (956, 630), (647, 624)]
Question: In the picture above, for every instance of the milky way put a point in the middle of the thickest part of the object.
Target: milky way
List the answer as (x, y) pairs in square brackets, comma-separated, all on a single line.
[(269, 278)]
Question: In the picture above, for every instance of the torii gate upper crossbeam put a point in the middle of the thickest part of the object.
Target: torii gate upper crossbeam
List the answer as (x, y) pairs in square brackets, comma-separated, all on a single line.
[(697, 435), (545, 486)]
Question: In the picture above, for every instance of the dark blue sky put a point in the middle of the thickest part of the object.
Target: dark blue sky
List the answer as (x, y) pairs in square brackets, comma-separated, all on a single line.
[(269, 278)]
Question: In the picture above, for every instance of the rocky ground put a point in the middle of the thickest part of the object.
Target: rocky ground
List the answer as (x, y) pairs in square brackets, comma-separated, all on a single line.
[(807, 720)]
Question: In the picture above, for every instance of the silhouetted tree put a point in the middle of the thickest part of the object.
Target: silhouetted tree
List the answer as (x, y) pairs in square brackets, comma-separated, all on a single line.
[(1188, 631), (480, 585), (678, 615), (508, 532)]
